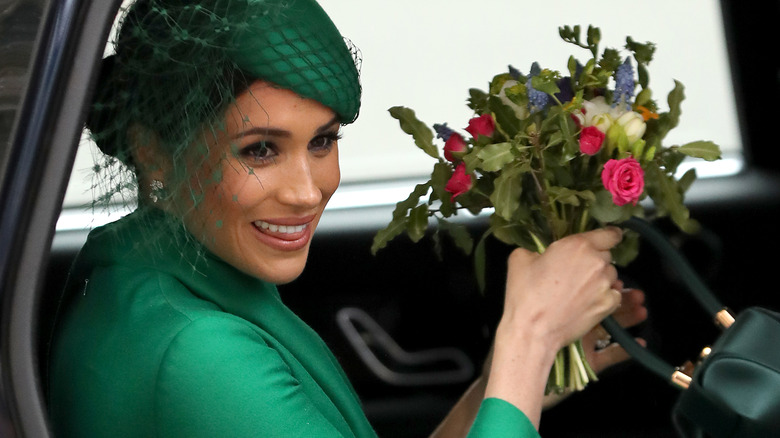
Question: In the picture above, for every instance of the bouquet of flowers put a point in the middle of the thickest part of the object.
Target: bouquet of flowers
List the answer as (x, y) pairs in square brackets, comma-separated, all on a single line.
[(550, 154)]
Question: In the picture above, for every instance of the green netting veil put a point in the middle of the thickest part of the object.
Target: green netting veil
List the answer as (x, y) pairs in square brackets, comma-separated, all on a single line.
[(178, 65)]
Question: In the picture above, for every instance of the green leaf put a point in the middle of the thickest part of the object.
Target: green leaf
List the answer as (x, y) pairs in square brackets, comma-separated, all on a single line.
[(685, 181), (674, 99), (472, 160), (605, 211), (627, 250), (418, 222), (667, 196), (545, 84), (478, 100), (594, 38), (495, 156), (563, 195), (422, 134), (571, 35), (505, 116), (385, 235), (460, 235), (670, 159), (404, 206), (568, 196), (643, 53), (442, 172), (511, 232), (508, 188), (706, 150), (643, 75), (610, 60)]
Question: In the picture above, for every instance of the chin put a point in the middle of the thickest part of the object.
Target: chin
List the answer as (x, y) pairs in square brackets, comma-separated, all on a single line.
[(281, 279), (280, 273)]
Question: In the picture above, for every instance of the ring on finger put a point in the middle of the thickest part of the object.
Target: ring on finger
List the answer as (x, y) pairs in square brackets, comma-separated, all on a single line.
[(604, 338), (603, 342)]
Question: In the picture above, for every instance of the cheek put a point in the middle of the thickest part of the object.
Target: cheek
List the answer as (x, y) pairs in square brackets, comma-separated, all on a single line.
[(327, 175), (237, 188)]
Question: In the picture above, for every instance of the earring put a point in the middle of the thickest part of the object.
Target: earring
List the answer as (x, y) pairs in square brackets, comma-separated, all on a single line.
[(157, 190)]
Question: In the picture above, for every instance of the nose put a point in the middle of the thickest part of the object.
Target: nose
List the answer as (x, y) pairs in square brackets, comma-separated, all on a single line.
[(299, 186)]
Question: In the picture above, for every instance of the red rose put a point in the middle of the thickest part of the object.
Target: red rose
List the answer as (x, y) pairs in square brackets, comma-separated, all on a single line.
[(591, 139), (454, 144), (459, 183), (482, 125), (625, 179)]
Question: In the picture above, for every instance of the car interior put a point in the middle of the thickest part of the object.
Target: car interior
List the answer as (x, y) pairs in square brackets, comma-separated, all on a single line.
[(411, 328)]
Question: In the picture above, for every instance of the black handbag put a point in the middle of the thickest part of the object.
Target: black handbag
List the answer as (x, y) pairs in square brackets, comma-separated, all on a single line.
[(734, 390)]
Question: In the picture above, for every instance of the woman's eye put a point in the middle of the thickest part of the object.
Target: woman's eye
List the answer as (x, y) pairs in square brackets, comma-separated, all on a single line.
[(324, 142), (258, 153)]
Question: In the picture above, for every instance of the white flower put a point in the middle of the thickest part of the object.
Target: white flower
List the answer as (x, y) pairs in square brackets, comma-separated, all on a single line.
[(633, 124), (600, 114), (521, 112)]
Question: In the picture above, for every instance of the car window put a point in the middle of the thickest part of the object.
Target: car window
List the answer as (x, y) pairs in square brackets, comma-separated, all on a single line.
[(426, 55)]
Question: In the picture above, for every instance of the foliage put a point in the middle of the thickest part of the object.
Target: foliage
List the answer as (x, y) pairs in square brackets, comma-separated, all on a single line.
[(549, 154)]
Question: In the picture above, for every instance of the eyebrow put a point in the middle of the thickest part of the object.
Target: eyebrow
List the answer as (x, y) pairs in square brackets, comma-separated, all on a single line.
[(278, 132)]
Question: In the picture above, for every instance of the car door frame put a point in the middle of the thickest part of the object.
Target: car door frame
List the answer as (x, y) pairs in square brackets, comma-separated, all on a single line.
[(35, 172)]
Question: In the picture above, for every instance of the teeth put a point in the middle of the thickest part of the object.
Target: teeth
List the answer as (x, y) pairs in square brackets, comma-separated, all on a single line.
[(284, 229)]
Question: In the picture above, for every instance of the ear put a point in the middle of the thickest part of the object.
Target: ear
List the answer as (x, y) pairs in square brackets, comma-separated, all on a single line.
[(151, 162)]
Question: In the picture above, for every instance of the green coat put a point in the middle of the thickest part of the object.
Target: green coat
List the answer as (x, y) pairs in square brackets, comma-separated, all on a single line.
[(159, 339)]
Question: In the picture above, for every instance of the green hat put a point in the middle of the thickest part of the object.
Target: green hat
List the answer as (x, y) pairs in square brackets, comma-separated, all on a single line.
[(299, 48), (179, 63)]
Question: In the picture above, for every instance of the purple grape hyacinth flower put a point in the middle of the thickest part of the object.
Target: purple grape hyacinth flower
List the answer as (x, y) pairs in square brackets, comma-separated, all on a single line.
[(515, 73), (443, 131), (537, 100), (624, 83)]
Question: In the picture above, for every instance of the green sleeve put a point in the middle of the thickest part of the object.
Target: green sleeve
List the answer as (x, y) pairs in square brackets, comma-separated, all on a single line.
[(219, 378), (499, 419)]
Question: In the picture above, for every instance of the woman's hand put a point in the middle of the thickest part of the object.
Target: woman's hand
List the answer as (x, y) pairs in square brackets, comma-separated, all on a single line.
[(631, 312), (551, 300), (562, 294)]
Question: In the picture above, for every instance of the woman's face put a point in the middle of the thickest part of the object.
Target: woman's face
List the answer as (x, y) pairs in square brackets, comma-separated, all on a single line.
[(267, 178)]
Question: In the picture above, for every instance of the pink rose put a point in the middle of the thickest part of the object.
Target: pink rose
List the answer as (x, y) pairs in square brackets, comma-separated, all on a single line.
[(482, 125), (459, 183), (591, 139), (625, 179), (454, 144)]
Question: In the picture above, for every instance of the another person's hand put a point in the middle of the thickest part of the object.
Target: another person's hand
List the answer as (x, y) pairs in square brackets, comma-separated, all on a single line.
[(631, 312)]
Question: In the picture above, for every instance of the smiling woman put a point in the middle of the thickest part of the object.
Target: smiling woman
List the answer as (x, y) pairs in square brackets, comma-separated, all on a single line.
[(279, 167)]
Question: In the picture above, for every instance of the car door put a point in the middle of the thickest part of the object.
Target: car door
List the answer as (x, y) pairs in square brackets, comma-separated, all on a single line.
[(49, 52)]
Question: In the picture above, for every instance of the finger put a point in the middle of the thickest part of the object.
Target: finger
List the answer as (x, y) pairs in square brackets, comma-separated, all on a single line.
[(596, 334), (612, 355), (632, 310), (521, 256), (604, 238), (606, 304), (616, 297), (599, 338), (609, 356)]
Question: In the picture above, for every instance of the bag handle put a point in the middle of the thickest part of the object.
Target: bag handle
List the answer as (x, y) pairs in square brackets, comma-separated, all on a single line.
[(695, 285)]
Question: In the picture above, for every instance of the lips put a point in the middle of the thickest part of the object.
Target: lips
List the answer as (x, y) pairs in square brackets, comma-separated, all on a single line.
[(284, 234)]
